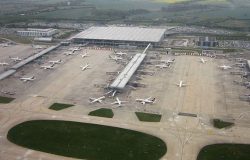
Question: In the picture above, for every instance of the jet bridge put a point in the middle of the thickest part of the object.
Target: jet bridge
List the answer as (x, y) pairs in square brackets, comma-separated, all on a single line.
[(122, 79)]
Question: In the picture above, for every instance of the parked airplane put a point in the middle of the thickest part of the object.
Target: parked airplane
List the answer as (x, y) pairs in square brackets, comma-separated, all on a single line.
[(25, 79), (5, 45), (85, 67), (161, 66), (69, 53), (120, 53), (99, 100), (75, 49), (15, 59), (167, 61), (224, 67), (48, 67), (37, 47), (203, 60), (56, 62), (8, 92), (181, 84), (115, 58), (118, 102), (147, 100), (4, 64), (84, 55)]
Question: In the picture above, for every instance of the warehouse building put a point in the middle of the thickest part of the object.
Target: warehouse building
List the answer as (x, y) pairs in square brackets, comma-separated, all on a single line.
[(35, 32), (120, 36)]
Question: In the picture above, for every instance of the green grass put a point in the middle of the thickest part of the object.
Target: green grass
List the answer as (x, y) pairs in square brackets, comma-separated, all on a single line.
[(103, 112), (86, 141), (225, 152), (148, 117), (6, 99), (60, 106), (221, 124)]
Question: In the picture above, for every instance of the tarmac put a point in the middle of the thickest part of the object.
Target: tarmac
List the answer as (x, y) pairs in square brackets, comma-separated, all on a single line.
[(210, 93)]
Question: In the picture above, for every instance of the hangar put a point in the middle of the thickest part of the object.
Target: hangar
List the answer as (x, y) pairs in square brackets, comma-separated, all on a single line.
[(120, 36)]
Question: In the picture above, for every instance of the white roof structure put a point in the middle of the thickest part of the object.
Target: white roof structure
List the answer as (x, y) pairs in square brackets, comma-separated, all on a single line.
[(123, 78), (123, 34)]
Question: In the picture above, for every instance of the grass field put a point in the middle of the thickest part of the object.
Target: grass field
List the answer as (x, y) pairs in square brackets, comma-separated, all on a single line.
[(60, 106), (103, 112), (221, 124), (148, 117), (6, 99), (86, 141), (225, 152)]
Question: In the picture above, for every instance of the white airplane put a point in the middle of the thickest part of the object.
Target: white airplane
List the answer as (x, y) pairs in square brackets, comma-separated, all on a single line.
[(48, 67), (4, 64), (147, 100), (161, 66), (118, 102), (8, 92), (37, 47), (15, 59), (85, 67), (5, 45), (25, 79), (69, 53), (181, 84), (203, 60), (167, 61), (75, 49), (120, 53), (224, 67), (115, 58), (84, 55), (56, 62), (99, 100)]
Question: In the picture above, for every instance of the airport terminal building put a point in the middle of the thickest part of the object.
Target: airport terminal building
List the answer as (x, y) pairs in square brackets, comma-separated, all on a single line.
[(35, 32), (121, 36)]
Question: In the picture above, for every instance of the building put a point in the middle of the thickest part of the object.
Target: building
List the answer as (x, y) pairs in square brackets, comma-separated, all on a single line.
[(120, 36), (34, 32), (43, 39), (206, 42)]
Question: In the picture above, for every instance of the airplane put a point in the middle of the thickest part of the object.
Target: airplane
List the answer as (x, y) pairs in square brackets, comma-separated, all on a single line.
[(4, 63), (118, 102), (203, 60), (111, 93), (147, 100), (84, 55), (161, 66), (37, 47), (56, 62), (25, 79), (99, 100), (224, 67), (85, 67), (167, 61), (75, 49), (120, 53), (15, 59), (181, 84), (69, 53), (8, 92), (48, 67), (115, 58)]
